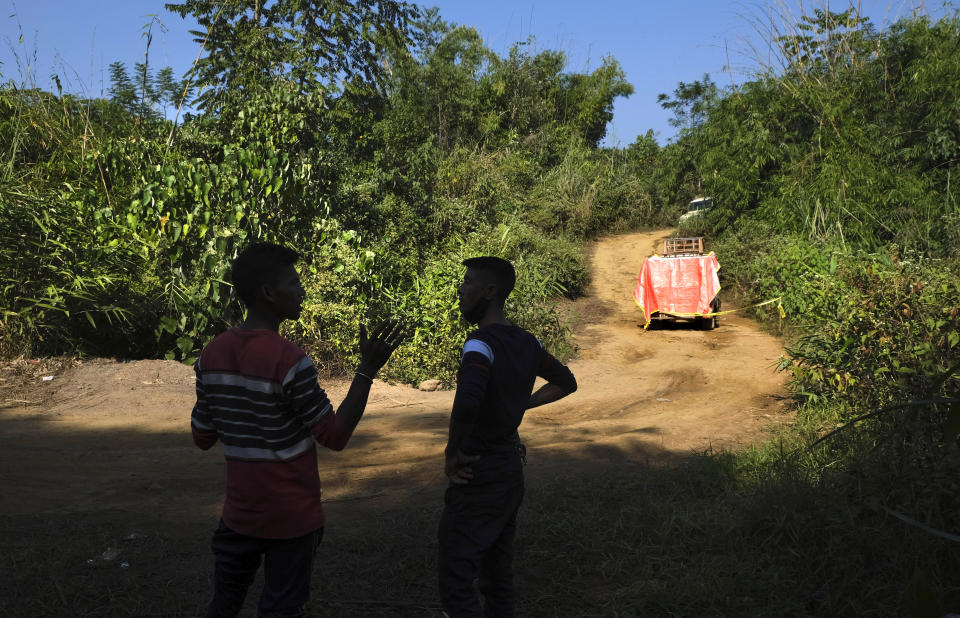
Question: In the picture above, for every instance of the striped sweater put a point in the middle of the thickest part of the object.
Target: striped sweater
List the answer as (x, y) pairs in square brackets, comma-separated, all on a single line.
[(257, 393)]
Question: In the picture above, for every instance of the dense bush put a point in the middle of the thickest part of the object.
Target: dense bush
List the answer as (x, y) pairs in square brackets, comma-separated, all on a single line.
[(383, 180), (840, 199), (835, 189)]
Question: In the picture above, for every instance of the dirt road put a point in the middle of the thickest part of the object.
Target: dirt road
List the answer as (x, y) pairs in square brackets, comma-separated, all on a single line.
[(110, 445), (652, 394)]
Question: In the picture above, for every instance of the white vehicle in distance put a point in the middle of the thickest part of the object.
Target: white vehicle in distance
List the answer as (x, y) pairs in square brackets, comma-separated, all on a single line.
[(697, 207)]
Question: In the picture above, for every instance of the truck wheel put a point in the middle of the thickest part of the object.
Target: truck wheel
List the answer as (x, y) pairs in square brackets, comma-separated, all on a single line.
[(711, 322)]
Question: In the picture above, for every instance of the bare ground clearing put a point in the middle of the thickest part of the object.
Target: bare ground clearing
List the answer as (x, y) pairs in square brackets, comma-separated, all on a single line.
[(103, 451)]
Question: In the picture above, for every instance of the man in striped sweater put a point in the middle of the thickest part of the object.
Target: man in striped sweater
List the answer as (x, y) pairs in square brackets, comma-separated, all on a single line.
[(499, 366), (257, 393)]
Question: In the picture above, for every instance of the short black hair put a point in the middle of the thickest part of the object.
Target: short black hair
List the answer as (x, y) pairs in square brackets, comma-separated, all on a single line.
[(259, 263), (502, 271)]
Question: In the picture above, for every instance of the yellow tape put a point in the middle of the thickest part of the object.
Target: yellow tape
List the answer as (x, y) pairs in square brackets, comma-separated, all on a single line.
[(777, 300)]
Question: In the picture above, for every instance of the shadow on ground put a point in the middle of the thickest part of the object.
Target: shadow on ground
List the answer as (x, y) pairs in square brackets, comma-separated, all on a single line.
[(108, 523)]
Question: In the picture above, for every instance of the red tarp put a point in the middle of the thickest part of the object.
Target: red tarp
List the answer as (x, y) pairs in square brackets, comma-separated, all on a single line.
[(682, 285)]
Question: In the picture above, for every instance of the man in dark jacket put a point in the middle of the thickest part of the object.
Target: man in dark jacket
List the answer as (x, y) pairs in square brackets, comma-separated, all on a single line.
[(499, 366)]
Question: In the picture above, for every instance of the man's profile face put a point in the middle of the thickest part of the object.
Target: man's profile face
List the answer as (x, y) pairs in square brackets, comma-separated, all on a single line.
[(287, 293), (475, 293)]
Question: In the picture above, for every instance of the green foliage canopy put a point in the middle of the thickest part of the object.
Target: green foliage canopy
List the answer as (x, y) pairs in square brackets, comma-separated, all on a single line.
[(314, 44), (384, 145)]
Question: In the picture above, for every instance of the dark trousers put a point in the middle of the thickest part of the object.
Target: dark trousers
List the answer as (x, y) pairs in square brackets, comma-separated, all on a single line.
[(287, 565), (476, 534)]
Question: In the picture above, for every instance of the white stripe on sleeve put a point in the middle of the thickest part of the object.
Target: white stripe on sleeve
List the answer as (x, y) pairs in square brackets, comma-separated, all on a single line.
[(475, 345), (302, 364)]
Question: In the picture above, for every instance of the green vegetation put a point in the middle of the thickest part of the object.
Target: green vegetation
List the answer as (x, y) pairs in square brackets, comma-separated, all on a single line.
[(412, 146), (835, 189), (385, 160)]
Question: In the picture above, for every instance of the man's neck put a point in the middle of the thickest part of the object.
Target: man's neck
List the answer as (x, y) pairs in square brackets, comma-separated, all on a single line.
[(260, 320), (494, 315)]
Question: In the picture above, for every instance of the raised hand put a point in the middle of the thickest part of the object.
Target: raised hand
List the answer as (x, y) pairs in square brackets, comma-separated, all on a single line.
[(376, 349)]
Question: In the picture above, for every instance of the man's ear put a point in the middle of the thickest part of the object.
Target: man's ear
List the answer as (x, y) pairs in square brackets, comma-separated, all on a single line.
[(490, 291), (266, 292)]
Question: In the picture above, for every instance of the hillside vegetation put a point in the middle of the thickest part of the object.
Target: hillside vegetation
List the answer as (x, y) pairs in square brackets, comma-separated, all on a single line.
[(385, 163), (836, 184)]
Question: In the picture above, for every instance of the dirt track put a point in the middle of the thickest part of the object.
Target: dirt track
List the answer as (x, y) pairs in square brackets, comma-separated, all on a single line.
[(112, 442), (653, 394)]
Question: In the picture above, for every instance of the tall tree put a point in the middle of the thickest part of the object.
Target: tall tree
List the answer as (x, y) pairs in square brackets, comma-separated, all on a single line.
[(590, 99), (312, 43), (167, 88), (146, 94), (691, 102), (122, 91)]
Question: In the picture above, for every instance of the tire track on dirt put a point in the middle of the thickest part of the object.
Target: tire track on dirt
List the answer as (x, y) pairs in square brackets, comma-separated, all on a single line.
[(691, 389)]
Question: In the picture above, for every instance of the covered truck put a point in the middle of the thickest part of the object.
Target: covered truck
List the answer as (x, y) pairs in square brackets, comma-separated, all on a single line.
[(681, 284)]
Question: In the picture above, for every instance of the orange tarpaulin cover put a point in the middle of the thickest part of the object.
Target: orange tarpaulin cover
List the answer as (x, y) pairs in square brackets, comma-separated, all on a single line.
[(682, 285)]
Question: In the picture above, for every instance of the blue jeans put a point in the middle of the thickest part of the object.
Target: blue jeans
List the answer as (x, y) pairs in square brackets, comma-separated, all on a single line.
[(287, 565)]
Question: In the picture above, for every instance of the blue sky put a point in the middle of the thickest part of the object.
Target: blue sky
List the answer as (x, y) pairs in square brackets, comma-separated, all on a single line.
[(658, 43)]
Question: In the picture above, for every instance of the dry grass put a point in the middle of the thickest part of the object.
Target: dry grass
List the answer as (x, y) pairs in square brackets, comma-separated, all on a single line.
[(22, 380)]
